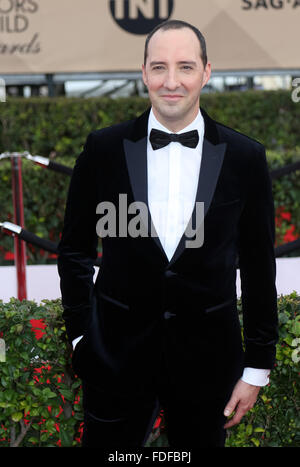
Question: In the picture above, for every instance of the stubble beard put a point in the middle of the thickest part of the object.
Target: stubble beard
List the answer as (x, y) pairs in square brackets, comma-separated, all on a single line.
[(171, 113)]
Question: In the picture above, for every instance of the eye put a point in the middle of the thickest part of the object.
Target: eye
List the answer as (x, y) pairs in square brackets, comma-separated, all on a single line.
[(157, 67), (187, 67)]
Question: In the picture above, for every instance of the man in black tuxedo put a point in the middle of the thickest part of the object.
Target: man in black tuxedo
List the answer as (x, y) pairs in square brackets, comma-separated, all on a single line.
[(160, 326)]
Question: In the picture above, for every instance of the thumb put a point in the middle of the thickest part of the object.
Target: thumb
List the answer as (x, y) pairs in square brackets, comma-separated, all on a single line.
[(230, 406)]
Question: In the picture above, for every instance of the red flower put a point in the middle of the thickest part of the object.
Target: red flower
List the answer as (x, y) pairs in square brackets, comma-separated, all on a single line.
[(9, 256), (37, 326), (158, 422), (286, 215), (289, 236)]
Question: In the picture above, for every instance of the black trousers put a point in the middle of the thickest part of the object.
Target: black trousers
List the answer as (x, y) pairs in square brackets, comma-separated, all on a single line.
[(115, 421)]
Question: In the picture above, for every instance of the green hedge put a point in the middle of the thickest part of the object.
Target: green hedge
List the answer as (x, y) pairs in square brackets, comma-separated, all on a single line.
[(57, 128), (41, 399), (61, 124)]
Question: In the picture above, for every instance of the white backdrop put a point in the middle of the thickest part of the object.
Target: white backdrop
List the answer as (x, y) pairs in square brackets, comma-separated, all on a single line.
[(43, 280)]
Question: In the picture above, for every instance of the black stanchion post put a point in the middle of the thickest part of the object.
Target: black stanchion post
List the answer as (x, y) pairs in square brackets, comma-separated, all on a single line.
[(51, 85)]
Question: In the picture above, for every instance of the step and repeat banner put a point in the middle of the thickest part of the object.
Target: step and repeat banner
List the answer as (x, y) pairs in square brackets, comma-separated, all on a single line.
[(53, 36)]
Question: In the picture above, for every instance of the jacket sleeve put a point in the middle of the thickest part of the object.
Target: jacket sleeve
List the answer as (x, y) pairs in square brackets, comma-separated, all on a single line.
[(258, 267), (77, 249)]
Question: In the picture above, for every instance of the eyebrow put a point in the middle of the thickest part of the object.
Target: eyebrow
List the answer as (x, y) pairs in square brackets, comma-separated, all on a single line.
[(182, 62)]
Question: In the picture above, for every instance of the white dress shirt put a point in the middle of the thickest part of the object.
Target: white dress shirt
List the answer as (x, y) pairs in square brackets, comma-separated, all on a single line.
[(173, 173)]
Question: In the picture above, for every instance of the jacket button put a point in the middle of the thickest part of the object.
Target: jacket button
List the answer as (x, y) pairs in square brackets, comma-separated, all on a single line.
[(168, 314), (169, 273)]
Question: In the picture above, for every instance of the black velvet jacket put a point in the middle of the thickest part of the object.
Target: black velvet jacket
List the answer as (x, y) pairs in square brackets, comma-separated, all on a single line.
[(144, 309)]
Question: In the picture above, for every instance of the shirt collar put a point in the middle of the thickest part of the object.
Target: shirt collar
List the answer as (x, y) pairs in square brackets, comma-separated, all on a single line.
[(196, 124)]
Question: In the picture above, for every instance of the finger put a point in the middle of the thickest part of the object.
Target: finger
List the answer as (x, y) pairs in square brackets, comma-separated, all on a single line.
[(236, 418)]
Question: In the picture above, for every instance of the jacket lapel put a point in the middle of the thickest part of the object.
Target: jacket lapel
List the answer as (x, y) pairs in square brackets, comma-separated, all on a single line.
[(136, 159), (135, 150), (211, 163)]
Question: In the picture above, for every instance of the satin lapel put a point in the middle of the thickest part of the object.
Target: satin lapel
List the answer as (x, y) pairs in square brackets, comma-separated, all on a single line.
[(211, 164), (135, 150), (136, 159)]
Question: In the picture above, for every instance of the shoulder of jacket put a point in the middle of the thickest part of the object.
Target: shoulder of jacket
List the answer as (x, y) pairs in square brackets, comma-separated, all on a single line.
[(231, 135), (111, 133)]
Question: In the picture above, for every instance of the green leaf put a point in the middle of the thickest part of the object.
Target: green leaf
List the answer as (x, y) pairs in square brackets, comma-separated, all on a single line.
[(9, 394), (65, 436), (19, 328), (265, 398), (55, 411), (296, 326), (36, 426), (78, 416), (24, 355), (67, 394), (259, 430), (33, 440), (288, 340), (296, 355), (44, 437), (37, 392), (18, 342), (48, 393), (16, 417), (295, 342), (4, 382), (5, 405), (50, 426), (255, 442)]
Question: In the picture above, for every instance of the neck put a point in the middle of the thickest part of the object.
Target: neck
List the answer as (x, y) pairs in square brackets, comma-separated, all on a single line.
[(176, 125)]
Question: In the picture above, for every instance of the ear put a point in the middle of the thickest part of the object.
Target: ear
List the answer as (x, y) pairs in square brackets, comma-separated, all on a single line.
[(144, 75), (206, 74)]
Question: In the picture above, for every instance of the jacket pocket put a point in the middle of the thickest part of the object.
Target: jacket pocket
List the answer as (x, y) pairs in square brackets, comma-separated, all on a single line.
[(219, 307), (224, 205), (113, 301)]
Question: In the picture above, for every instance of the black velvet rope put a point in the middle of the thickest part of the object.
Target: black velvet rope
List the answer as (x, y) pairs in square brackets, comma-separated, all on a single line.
[(51, 247), (46, 245), (276, 173), (60, 168)]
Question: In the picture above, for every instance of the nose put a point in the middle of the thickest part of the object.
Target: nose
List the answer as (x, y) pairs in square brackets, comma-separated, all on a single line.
[(171, 81)]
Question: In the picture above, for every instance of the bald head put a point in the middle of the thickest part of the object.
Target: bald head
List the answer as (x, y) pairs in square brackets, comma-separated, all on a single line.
[(177, 24)]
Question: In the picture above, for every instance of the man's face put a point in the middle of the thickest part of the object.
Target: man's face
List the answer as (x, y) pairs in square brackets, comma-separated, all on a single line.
[(174, 75)]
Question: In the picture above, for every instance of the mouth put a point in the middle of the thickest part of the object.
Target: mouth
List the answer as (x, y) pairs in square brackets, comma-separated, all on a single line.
[(172, 97)]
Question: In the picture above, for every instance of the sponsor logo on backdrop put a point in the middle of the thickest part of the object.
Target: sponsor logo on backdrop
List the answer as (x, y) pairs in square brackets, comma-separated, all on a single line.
[(140, 16), (15, 16), (269, 4)]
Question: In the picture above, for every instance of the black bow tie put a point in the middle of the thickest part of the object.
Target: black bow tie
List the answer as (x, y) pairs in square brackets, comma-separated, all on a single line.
[(160, 139)]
